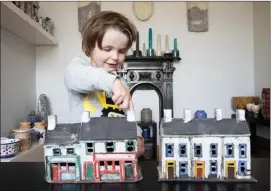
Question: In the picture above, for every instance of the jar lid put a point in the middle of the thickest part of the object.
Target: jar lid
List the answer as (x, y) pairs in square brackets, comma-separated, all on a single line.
[(39, 123), (25, 122)]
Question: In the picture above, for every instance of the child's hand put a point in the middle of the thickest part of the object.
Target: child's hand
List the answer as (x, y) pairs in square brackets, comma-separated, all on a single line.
[(121, 95), (140, 146)]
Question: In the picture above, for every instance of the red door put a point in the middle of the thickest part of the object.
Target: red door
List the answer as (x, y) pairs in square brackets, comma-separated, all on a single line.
[(199, 172), (55, 172)]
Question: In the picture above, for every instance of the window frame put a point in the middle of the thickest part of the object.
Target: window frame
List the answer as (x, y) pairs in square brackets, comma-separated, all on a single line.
[(166, 149)]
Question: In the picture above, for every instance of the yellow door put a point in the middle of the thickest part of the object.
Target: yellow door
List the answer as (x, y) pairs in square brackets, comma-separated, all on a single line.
[(230, 169), (170, 169), (199, 169)]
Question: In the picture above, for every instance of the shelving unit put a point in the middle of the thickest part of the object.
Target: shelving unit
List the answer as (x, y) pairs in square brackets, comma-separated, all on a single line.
[(17, 22), (33, 147)]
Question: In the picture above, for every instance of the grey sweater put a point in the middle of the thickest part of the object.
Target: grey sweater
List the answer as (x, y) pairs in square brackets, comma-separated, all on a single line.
[(90, 89)]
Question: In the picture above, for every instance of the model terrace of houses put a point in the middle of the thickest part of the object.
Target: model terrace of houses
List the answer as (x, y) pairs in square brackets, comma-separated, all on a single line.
[(96, 150), (204, 150)]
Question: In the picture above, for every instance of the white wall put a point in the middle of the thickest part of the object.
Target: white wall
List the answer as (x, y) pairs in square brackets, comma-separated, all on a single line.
[(262, 46), (18, 76), (212, 67), (262, 52)]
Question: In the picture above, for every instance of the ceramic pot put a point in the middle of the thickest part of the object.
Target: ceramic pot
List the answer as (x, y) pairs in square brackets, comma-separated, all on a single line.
[(23, 135), (40, 130), (9, 147)]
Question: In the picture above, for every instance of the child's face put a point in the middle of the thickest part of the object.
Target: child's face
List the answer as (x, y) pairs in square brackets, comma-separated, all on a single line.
[(112, 54)]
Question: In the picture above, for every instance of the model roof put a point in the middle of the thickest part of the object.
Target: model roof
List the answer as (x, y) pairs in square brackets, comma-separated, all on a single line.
[(108, 128), (205, 127), (63, 134), (98, 128)]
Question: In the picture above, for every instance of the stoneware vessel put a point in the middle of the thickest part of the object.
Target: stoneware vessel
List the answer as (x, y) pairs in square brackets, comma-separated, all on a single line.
[(9, 147)]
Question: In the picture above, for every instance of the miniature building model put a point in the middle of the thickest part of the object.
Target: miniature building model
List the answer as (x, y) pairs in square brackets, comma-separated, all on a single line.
[(204, 150), (99, 149)]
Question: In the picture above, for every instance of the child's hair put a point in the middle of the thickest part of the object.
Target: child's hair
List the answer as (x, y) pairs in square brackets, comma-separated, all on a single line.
[(97, 25)]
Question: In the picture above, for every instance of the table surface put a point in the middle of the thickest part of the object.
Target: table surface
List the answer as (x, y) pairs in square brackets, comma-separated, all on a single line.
[(30, 176)]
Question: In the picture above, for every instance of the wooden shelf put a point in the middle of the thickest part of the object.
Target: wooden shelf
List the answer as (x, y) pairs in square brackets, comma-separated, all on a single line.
[(14, 20), (33, 147)]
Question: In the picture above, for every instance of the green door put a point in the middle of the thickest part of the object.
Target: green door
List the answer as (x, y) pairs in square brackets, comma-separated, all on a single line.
[(89, 168), (128, 171)]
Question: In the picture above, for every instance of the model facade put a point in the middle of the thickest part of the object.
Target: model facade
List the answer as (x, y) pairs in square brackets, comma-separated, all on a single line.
[(204, 150), (97, 150)]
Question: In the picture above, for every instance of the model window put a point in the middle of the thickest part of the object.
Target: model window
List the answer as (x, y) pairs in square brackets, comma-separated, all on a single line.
[(56, 152), (229, 151), (182, 150), (213, 167), (197, 150), (242, 150), (110, 146), (183, 166), (213, 148), (89, 148), (169, 150), (70, 151), (242, 168), (130, 146)]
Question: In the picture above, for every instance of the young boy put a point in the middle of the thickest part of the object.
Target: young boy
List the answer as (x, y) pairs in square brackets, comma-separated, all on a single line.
[(92, 84)]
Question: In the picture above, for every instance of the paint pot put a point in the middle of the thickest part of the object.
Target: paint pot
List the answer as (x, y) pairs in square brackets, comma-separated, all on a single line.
[(240, 115), (218, 114), (25, 139), (167, 115), (187, 115)]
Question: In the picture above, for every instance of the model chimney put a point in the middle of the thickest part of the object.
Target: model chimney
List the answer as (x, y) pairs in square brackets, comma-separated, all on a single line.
[(240, 115), (218, 114), (167, 115), (187, 115), (85, 117), (131, 116), (51, 122)]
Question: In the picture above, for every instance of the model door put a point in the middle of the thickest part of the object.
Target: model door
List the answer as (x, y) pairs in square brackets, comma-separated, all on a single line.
[(199, 169), (170, 169), (230, 169), (54, 172), (230, 172), (199, 172), (128, 170), (170, 172), (89, 168)]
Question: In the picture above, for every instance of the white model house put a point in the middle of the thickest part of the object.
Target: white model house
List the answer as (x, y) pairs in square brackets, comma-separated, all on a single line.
[(100, 149), (204, 150)]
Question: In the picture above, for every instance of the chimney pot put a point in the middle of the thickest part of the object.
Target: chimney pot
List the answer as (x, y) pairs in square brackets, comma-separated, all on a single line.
[(130, 116), (167, 115), (85, 117), (218, 114), (52, 121)]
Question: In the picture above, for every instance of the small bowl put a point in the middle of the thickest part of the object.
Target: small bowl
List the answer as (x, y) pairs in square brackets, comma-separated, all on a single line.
[(9, 147)]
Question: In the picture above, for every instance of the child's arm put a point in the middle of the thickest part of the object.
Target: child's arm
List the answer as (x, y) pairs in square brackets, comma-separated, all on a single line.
[(81, 77)]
